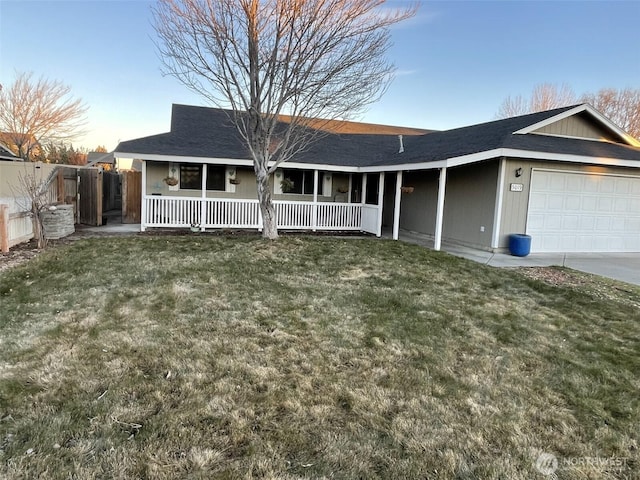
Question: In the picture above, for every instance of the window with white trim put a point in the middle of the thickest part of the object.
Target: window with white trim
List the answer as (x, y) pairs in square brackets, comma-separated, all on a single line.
[(191, 177), (300, 182)]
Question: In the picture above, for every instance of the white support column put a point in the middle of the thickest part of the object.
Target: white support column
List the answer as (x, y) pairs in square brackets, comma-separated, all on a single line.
[(143, 206), (396, 206), (363, 199), (380, 202), (497, 215), (437, 241), (314, 212), (350, 189), (203, 201)]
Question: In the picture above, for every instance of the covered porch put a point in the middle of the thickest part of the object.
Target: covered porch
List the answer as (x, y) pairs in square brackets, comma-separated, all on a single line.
[(314, 212)]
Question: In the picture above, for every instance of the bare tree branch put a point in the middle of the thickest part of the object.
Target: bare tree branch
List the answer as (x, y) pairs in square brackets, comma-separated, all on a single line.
[(545, 96), (621, 106), (307, 59), (33, 112)]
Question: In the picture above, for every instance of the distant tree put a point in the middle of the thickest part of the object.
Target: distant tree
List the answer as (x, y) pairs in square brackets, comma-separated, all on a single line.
[(621, 106), (62, 153), (34, 112), (263, 58), (101, 149), (545, 96)]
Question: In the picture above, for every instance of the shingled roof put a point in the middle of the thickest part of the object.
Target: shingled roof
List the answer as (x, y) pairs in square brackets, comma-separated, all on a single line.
[(208, 133)]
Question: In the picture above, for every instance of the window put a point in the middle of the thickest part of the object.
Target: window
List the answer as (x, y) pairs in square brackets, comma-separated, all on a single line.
[(216, 177), (300, 181), (191, 177)]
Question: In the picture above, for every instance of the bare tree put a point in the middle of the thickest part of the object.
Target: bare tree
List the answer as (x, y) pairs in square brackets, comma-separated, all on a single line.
[(307, 59), (621, 106), (36, 111), (34, 193), (545, 96)]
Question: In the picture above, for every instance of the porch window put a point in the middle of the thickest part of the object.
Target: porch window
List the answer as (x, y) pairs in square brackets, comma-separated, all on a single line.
[(191, 177), (215, 177), (300, 181)]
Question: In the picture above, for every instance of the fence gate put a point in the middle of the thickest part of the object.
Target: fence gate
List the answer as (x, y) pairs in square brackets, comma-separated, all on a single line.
[(131, 196), (90, 193)]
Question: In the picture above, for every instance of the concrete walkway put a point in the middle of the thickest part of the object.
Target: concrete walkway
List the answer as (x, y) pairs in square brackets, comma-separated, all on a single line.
[(619, 266)]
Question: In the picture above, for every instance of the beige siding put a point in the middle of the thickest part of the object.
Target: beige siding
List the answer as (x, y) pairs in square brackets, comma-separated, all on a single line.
[(418, 209), (245, 189), (514, 204), (157, 171), (578, 126), (469, 203)]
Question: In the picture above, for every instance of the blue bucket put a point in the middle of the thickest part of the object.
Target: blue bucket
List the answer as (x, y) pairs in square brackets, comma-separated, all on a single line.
[(519, 244)]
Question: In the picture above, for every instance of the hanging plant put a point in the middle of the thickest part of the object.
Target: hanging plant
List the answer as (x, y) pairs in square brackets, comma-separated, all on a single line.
[(171, 181)]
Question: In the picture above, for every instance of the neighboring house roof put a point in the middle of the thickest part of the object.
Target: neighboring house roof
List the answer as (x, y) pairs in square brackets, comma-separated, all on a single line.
[(8, 139), (96, 158), (208, 133), (6, 154), (347, 127)]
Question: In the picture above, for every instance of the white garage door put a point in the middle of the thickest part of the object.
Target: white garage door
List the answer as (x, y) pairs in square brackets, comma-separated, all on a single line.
[(578, 212)]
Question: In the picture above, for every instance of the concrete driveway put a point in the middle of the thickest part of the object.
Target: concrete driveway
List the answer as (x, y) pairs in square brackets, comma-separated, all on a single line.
[(619, 266)]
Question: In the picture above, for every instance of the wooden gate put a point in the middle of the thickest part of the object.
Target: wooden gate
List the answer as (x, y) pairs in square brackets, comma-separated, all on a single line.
[(90, 196), (131, 196)]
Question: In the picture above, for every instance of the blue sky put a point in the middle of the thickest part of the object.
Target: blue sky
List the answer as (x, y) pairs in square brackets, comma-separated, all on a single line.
[(456, 60)]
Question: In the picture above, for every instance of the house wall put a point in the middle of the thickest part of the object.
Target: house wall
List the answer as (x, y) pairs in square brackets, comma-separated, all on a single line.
[(469, 205), (157, 171), (418, 209), (245, 189), (578, 126), (515, 204)]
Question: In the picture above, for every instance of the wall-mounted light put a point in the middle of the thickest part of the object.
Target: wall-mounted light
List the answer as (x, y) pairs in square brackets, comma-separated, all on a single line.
[(519, 172)]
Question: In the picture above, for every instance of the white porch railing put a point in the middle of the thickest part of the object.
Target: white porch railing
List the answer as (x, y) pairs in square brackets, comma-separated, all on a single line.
[(232, 213)]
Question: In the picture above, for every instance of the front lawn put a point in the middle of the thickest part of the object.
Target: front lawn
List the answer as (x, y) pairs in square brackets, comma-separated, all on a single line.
[(208, 357)]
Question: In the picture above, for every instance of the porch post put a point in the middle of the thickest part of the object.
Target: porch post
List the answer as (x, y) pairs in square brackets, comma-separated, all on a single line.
[(350, 188), (363, 199), (314, 211), (203, 200), (497, 215), (437, 241), (396, 206), (380, 200), (143, 206)]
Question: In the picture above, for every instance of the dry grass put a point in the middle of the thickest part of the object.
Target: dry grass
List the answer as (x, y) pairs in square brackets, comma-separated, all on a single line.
[(206, 357)]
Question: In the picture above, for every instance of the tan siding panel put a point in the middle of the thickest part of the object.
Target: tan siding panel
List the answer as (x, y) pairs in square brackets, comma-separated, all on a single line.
[(470, 203), (577, 126), (418, 209)]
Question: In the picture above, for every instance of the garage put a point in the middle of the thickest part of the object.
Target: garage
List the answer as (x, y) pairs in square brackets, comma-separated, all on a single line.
[(583, 212)]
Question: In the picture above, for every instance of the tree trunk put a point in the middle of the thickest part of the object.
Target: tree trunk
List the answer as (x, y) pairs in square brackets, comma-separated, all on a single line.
[(269, 221)]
